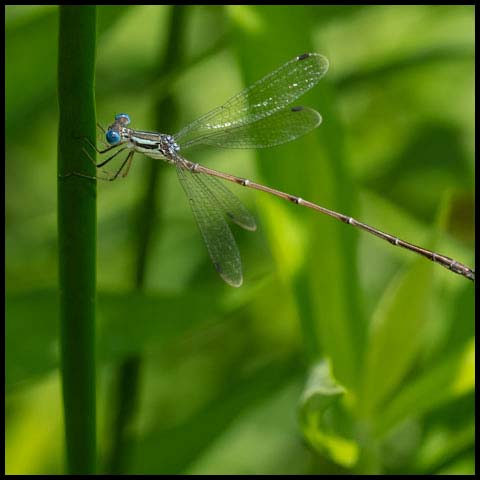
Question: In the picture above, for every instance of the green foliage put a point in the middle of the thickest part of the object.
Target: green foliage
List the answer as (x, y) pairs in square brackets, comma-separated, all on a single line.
[(340, 353)]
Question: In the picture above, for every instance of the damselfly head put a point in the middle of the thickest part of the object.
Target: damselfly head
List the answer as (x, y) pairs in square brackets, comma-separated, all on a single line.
[(116, 130)]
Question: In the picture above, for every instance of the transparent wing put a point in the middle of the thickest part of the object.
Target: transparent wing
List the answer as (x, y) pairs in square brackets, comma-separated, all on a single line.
[(232, 207), (215, 231), (269, 95), (280, 127)]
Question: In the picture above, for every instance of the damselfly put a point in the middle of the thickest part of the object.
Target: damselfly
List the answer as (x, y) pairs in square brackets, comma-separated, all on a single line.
[(257, 117)]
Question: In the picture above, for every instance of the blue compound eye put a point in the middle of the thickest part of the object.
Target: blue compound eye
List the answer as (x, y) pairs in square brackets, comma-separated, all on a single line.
[(125, 119), (112, 137)]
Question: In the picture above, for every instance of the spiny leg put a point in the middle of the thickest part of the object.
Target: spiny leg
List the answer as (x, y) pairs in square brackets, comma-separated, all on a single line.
[(127, 160), (107, 177), (94, 147), (129, 164), (104, 162), (109, 159)]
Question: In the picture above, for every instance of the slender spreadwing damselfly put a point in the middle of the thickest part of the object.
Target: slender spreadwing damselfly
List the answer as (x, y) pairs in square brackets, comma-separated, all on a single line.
[(257, 117)]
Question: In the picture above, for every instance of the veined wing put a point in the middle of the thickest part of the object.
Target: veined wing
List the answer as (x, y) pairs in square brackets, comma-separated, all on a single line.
[(232, 207), (269, 95), (280, 127), (215, 231)]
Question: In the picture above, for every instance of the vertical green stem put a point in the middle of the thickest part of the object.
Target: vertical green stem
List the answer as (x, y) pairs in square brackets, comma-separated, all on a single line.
[(127, 382), (77, 234)]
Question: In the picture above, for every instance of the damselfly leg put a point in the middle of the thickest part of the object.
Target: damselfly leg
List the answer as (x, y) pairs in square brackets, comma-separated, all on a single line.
[(124, 166)]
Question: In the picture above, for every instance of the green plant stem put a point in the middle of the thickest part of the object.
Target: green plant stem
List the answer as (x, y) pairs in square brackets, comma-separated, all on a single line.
[(128, 381), (77, 234)]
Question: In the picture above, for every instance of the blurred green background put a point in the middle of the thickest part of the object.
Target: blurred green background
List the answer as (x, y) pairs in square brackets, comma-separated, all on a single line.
[(339, 353)]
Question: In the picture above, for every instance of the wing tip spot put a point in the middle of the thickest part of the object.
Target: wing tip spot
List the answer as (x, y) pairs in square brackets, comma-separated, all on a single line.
[(303, 56)]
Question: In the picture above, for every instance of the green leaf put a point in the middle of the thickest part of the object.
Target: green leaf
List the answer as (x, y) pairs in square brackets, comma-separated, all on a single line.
[(452, 378), (184, 443), (396, 334), (323, 417)]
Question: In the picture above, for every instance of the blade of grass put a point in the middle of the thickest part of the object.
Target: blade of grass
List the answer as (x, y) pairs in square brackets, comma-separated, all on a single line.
[(326, 287), (428, 56), (77, 234), (128, 375), (177, 448)]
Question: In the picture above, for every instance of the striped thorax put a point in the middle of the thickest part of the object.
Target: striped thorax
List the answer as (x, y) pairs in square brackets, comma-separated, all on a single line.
[(152, 144)]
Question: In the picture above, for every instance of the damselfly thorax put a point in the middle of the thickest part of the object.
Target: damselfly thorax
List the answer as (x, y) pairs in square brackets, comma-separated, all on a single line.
[(152, 144)]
